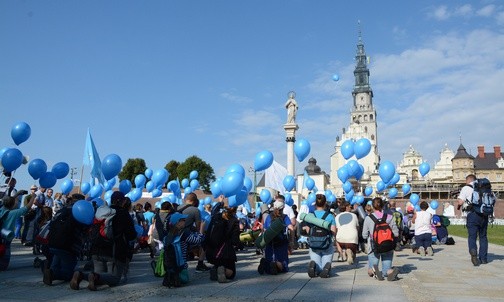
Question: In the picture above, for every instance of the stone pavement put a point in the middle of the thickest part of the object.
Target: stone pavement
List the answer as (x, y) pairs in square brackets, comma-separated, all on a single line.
[(447, 276)]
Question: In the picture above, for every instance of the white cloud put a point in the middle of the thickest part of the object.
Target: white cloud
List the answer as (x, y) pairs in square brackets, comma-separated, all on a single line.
[(230, 96), (440, 13), (500, 18), (486, 11), (464, 10)]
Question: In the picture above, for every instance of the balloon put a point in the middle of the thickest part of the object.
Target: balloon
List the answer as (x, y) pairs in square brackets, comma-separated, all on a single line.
[(83, 212), (12, 159), (395, 179), (188, 190), (238, 199), (2, 151), (392, 193), (236, 168), (406, 189), (60, 170), (174, 186), (193, 174), (184, 183), (288, 199), (349, 195), (368, 191), (140, 180), (194, 184), (417, 208), (360, 171), (36, 168), (231, 183), (347, 149), (85, 187), (386, 171), (20, 132), (207, 200), (108, 195), (343, 173), (149, 186), (263, 160), (111, 166), (301, 149), (215, 189), (347, 187), (247, 182), (66, 186), (172, 198), (110, 184), (331, 198), (424, 168), (148, 173), (265, 196), (96, 191), (47, 180), (353, 167), (155, 193), (434, 204), (289, 183), (309, 183), (311, 198), (380, 186), (139, 230), (125, 186), (99, 202), (335, 77), (362, 148), (160, 177), (414, 198)]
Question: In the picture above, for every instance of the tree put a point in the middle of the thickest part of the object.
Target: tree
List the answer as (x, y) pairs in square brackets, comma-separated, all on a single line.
[(205, 172), (132, 168), (171, 167)]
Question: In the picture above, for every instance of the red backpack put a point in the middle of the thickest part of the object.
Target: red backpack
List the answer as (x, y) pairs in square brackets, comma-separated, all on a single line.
[(383, 238)]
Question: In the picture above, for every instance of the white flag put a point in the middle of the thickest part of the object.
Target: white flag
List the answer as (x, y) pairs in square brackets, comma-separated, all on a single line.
[(274, 176)]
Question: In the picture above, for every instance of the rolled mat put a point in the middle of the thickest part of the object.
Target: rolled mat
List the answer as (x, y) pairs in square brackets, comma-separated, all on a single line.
[(277, 226), (249, 236), (310, 218)]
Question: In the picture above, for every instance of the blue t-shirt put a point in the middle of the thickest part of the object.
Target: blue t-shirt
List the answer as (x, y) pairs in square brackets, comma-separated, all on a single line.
[(329, 218), (267, 222), (149, 216)]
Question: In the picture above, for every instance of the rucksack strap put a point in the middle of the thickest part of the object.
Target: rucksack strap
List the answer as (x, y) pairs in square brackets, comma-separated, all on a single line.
[(377, 220), (184, 207), (325, 215)]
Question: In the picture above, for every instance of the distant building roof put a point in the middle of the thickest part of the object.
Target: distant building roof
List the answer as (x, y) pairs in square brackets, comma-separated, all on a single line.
[(487, 163), (462, 153)]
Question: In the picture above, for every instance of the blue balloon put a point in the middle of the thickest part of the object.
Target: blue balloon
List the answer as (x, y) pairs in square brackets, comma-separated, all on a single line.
[(149, 186), (395, 179), (368, 191), (188, 190), (343, 174), (47, 180), (96, 191), (301, 149), (362, 148), (20, 132), (236, 168), (347, 149), (12, 159), (184, 183), (347, 187), (148, 173), (311, 198), (263, 160), (36, 168), (193, 174), (172, 198), (111, 166), (207, 200), (414, 198), (2, 151), (265, 196), (406, 188), (139, 230), (155, 193), (83, 212), (160, 177), (85, 187), (231, 183), (125, 186), (335, 77), (60, 170), (215, 189), (392, 193), (66, 186), (238, 199), (386, 171), (140, 180), (289, 183), (434, 204), (424, 168), (288, 199), (110, 184), (107, 196), (194, 184), (247, 182), (380, 186), (353, 168), (309, 183), (349, 195), (174, 186), (331, 198), (417, 208), (99, 202)]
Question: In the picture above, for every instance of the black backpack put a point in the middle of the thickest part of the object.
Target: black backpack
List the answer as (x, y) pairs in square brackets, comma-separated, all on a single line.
[(216, 232), (483, 199), (320, 238), (64, 232)]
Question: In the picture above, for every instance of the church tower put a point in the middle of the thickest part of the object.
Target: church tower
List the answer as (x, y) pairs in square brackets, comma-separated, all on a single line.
[(362, 123)]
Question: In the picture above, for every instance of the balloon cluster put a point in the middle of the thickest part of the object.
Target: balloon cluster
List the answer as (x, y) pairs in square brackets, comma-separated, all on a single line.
[(360, 148)]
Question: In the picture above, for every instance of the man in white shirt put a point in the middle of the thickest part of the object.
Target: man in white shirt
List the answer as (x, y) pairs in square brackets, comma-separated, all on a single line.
[(287, 210)]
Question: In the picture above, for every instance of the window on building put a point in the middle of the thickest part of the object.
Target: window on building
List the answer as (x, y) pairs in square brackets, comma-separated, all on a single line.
[(372, 137), (371, 117)]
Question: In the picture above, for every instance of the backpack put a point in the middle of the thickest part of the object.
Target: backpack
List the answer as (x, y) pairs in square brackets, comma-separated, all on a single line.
[(3, 240), (483, 199), (398, 217), (63, 231), (102, 224), (319, 238), (216, 232), (383, 238)]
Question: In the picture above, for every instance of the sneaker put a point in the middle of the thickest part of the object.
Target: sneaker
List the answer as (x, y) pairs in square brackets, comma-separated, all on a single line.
[(273, 268), (474, 257), (340, 259), (350, 256), (430, 251), (483, 261), (311, 269), (393, 276), (221, 275), (48, 276), (262, 266), (421, 250), (200, 268), (76, 280), (213, 274), (91, 282), (377, 273), (326, 271)]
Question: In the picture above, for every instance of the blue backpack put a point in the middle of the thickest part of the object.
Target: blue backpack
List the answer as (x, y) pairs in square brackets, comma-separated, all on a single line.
[(483, 199)]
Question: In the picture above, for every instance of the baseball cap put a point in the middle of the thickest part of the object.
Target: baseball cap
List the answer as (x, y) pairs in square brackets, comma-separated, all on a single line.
[(34, 187), (278, 204), (175, 217)]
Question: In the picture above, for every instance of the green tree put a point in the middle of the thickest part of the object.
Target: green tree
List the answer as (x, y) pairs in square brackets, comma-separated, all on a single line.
[(132, 168), (205, 172), (171, 167)]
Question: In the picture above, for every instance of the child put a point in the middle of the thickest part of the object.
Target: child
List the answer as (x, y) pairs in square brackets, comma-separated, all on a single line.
[(423, 231)]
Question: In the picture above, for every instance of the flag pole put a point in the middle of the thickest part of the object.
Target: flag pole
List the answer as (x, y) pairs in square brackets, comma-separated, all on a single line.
[(80, 182)]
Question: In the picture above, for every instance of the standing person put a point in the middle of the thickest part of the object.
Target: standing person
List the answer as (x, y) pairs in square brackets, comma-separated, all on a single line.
[(26, 218), (8, 216), (423, 230), (320, 259), (347, 236), (193, 224), (58, 203), (109, 256), (148, 213), (49, 200), (32, 217), (477, 224), (373, 256)]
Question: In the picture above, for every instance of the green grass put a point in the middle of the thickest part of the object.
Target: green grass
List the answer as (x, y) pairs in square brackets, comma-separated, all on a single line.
[(495, 233)]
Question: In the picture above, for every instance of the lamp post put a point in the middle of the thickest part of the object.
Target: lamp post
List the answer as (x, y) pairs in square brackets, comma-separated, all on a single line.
[(251, 170)]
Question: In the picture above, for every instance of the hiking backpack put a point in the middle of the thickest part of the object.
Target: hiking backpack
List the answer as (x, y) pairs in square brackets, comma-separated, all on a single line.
[(102, 224), (483, 199), (398, 218), (216, 232), (319, 238), (383, 238)]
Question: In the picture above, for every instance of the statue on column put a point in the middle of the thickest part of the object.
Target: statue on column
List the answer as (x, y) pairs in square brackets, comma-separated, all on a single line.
[(292, 107)]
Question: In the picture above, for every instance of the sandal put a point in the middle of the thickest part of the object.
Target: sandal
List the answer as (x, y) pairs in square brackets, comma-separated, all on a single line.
[(393, 276)]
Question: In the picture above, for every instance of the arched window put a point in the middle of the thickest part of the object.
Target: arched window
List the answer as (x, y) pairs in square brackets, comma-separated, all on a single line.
[(372, 137), (371, 117)]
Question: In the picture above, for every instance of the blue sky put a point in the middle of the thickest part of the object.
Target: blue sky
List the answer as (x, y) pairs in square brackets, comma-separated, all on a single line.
[(164, 80)]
